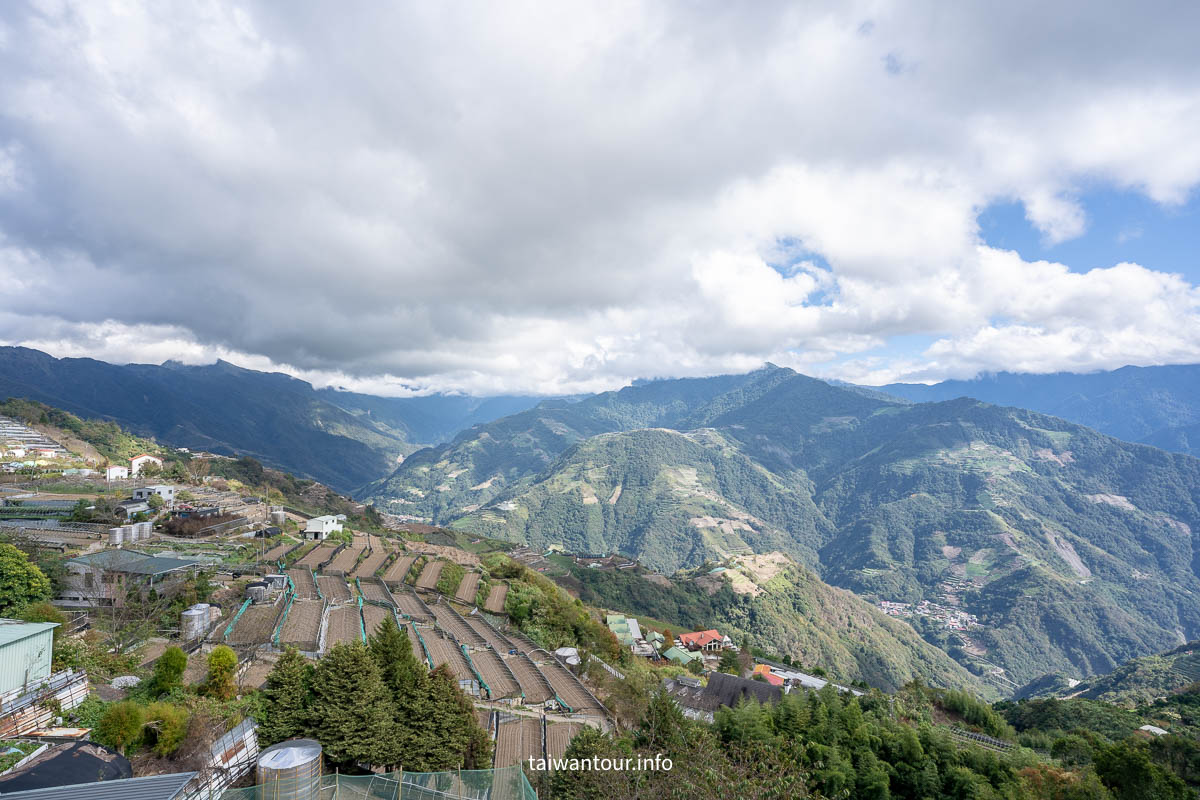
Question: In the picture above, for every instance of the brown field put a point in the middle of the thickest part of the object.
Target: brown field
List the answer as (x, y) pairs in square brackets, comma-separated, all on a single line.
[(372, 562), (568, 688), (303, 625), (345, 625), (429, 575), (417, 649), (373, 589), (317, 556), (496, 597), (445, 651), (255, 626), (495, 674), (518, 740), (466, 589), (345, 560), (255, 676), (449, 621), (533, 684), (398, 571), (279, 551), (334, 589), (306, 587), (559, 735), (373, 615), (489, 634), (197, 667), (484, 717), (523, 643), (412, 606)]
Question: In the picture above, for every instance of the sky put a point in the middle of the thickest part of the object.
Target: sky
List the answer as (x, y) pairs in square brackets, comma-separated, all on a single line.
[(562, 197)]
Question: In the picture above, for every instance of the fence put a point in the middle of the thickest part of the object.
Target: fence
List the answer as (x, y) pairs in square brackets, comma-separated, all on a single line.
[(508, 783)]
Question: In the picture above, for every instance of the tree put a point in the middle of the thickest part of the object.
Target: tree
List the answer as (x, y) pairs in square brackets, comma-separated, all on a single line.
[(287, 699), (168, 672), (20, 581), (729, 663), (352, 711), (165, 728), (450, 733), (121, 725), (222, 668), (184, 496), (155, 502), (408, 684)]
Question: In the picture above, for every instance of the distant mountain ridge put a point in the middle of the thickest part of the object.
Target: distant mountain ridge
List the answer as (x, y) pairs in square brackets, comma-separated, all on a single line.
[(1076, 551), (342, 439), (1155, 405)]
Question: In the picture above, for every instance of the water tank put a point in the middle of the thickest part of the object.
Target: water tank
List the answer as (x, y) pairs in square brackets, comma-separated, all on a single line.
[(144, 529), (214, 614), (276, 581), (257, 590), (278, 518), (290, 770), (116, 536), (194, 622)]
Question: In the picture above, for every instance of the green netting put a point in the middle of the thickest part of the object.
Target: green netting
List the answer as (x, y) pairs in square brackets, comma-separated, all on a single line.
[(508, 783)]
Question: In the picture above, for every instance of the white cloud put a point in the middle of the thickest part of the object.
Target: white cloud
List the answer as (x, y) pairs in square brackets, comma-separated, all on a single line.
[(560, 198)]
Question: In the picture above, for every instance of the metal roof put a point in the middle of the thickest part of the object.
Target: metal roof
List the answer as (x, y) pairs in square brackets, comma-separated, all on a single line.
[(155, 787), (133, 562), (12, 630)]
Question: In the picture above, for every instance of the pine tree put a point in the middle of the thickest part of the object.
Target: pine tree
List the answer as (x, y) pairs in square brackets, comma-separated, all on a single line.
[(449, 735), (352, 711), (287, 699), (222, 668), (408, 684)]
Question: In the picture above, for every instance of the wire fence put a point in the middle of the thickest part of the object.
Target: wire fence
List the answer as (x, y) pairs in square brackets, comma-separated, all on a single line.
[(507, 783)]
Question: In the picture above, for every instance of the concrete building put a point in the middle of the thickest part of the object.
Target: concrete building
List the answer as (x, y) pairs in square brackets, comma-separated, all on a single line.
[(25, 650), (319, 528), (167, 493), (104, 578), (116, 473), (138, 463)]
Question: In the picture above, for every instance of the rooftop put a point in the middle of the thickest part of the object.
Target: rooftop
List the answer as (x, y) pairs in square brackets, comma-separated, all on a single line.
[(133, 562), (13, 630), (154, 787)]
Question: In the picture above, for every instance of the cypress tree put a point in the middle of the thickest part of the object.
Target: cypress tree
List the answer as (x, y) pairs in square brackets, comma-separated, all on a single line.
[(287, 707), (408, 684), (352, 710)]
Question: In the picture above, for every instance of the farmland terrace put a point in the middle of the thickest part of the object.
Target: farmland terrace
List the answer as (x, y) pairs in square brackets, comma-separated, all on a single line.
[(496, 598), (302, 627), (345, 625), (468, 587), (334, 588), (306, 587), (398, 571), (429, 575)]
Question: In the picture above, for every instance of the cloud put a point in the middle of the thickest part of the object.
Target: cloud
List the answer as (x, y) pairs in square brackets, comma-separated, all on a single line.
[(560, 198)]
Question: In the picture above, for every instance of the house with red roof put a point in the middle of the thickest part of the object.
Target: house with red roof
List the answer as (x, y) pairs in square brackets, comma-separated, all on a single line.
[(702, 640)]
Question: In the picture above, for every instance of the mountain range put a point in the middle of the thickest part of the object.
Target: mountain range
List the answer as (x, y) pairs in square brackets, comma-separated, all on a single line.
[(342, 439), (1155, 405), (1074, 550)]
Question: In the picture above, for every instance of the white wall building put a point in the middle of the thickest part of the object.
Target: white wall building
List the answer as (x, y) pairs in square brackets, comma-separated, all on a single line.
[(320, 527), (116, 473), (138, 462), (167, 493)]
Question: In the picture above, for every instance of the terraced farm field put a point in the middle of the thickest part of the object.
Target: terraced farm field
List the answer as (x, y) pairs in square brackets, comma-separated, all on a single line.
[(344, 561), (303, 625), (398, 571), (334, 588), (279, 551), (533, 684), (518, 740), (373, 589), (255, 626), (410, 605), (429, 576), (495, 674), (559, 735), (306, 587), (496, 598), (345, 625), (468, 587), (449, 621), (417, 649), (494, 638), (317, 556), (372, 562), (445, 651), (523, 643), (255, 676), (373, 615), (568, 688)]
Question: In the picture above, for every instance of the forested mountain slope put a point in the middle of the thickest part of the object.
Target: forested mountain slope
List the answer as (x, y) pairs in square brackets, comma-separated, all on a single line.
[(1075, 550)]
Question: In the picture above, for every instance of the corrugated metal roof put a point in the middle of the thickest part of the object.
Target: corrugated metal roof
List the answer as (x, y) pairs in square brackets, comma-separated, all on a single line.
[(155, 787), (12, 630), (133, 562)]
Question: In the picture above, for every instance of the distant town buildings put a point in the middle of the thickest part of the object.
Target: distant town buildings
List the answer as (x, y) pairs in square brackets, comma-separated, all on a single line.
[(952, 618)]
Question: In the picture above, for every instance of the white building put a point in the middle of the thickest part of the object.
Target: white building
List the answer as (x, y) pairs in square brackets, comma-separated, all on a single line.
[(116, 473), (138, 462), (320, 527), (167, 493)]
